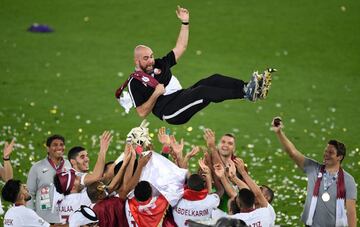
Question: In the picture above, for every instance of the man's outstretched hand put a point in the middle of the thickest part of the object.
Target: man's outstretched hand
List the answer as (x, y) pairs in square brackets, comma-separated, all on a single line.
[(182, 14)]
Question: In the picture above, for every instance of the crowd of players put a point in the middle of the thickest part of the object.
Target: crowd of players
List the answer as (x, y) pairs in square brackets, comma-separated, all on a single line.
[(141, 188)]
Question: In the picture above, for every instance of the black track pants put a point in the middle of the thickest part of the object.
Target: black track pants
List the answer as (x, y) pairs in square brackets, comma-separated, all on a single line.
[(188, 102)]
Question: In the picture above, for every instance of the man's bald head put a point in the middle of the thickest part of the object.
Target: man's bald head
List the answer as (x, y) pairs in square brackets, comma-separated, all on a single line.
[(144, 58), (140, 49)]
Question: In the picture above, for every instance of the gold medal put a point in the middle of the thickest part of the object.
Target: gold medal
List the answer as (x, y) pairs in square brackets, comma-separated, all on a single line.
[(325, 196)]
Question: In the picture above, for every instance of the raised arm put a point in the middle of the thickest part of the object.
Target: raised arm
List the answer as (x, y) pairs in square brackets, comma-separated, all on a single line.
[(182, 41), (220, 173), (289, 147), (142, 161), (194, 151), (100, 163), (6, 173), (119, 177), (177, 151), (240, 166), (147, 106), (207, 173)]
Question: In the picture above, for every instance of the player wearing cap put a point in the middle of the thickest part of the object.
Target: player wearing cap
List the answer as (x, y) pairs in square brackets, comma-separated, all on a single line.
[(19, 215), (69, 195)]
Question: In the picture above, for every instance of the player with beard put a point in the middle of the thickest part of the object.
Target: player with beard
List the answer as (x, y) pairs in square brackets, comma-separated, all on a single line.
[(222, 154), (153, 88), (69, 195), (79, 159), (19, 215), (70, 184)]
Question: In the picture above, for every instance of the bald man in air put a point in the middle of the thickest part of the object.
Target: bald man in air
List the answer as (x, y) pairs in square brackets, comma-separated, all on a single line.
[(153, 88)]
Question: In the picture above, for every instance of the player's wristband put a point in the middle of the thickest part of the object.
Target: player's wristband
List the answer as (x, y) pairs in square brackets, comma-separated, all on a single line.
[(185, 23), (6, 159)]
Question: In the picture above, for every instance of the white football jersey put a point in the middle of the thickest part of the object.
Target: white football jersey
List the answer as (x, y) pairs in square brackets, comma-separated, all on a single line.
[(258, 217), (71, 203), (19, 216), (195, 210)]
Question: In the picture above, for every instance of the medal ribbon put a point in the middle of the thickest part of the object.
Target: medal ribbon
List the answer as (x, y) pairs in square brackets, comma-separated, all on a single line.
[(326, 184), (60, 166)]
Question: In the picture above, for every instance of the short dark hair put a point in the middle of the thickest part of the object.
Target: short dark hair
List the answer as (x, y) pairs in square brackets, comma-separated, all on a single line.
[(230, 135), (106, 166), (230, 222), (246, 198), (118, 167), (233, 207), (11, 190), (340, 148), (52, 138), (74, 151), (269, 192), (195, 182), (142, 191)]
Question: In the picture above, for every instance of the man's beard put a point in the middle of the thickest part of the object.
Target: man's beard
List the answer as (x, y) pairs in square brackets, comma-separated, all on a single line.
[(148, 71)]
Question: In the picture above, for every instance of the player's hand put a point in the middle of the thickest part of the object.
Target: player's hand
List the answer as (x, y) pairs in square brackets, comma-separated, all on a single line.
[(105, 140), (159, 89), (209, 137), (240, 165), (8, 149), (177, 148), (219, 170), (144, 159), (195, 150), (182, 14), (128, 153), (164, 138), (206, 170), (276, 124)]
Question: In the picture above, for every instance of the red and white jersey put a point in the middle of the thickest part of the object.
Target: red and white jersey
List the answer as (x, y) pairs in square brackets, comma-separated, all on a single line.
[(19, 216), (71, 203), (257, 218), (149, 213), (195, 210)]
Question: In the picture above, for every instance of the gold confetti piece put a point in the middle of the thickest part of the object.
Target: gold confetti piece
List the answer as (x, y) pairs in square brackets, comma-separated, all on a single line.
[(344, 129), (343, 8), (189, 129), (80, 130), (32, 104), (151, 135), (198, 52), (86, 19)]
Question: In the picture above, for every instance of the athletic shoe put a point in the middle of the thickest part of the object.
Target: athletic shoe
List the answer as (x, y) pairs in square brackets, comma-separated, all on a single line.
[(252, 88), (265, 83)]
